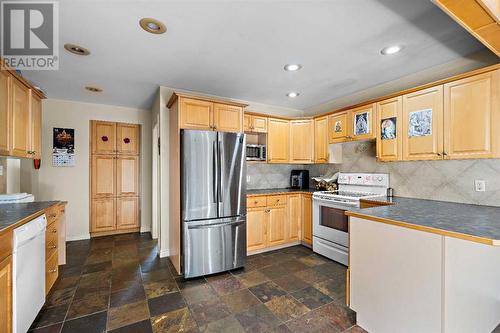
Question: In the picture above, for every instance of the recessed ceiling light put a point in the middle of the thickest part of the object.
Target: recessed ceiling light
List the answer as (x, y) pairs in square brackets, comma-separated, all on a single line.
[(292, 67), (391, 49), (293, 94), (93, 89), (153, 26), (76, 49)]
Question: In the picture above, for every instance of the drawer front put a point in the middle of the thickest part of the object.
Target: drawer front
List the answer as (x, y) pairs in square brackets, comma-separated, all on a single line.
[(51, 239), (253, 202), (51, 272), (276, 200)]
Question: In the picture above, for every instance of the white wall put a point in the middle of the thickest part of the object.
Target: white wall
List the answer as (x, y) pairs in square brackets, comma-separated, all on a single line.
[(71, 184)]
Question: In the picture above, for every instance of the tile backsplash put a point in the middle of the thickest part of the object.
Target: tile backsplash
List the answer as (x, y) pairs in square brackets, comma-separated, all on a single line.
[(436, 180), (264, 176)]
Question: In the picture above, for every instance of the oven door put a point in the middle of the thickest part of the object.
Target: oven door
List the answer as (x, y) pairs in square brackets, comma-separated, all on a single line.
[(330, 222)]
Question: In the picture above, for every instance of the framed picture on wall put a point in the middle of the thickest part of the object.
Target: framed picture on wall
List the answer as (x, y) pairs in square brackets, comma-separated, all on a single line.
[(63, 147)]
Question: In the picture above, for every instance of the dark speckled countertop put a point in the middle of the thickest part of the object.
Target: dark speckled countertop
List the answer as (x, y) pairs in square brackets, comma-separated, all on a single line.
[(471, 222), (11, 214), (279, 191)]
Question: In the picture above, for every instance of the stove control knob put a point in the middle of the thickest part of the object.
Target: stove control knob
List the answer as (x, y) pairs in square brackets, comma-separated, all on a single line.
[(379, 178)]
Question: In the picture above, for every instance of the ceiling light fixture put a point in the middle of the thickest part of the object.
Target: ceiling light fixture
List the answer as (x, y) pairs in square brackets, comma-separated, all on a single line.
[(293, 94), (152, 25), (292, 67), (76, 49), (391, 49), (93, 89)]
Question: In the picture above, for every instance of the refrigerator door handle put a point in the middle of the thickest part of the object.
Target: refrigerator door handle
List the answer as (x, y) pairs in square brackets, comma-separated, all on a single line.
[(219, 177), (215, 171), (214, 225)]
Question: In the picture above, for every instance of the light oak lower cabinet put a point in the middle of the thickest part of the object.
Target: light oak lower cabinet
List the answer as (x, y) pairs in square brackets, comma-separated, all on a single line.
[(103, 215), (127, 213), (276, 226), (307, 218), (294, 217), (256, 228), (6, 295)]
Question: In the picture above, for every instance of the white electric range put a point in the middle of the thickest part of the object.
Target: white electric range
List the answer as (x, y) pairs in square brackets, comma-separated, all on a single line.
[(330, 224)]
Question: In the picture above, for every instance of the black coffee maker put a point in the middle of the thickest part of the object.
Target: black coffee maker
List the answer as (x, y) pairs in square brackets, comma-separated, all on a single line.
[(299, 179)]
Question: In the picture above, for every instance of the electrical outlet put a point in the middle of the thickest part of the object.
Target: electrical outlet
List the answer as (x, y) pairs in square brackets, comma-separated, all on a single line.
[(1, 170), (480, 185), (248, 179)]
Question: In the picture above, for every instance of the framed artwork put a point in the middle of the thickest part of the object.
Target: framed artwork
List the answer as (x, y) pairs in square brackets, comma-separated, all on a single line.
[(338, 126), (361, 123), (420, 123), (63, 147), (388, 128)]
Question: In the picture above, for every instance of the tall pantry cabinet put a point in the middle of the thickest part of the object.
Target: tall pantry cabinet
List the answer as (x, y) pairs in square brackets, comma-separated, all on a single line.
[(114, 178)]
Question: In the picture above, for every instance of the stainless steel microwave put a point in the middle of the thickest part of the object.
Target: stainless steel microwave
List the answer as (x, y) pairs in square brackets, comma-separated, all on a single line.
[(256, 152)]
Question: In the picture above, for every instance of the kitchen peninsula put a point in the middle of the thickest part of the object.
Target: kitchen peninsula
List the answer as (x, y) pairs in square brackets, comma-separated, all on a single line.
[(437, 266)]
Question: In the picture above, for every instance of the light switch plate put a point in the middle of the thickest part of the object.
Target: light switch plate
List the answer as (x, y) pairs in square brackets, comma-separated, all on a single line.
[(480, 185)]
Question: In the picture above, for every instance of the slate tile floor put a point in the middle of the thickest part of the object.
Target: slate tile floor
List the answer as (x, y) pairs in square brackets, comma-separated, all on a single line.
[(118, 284)]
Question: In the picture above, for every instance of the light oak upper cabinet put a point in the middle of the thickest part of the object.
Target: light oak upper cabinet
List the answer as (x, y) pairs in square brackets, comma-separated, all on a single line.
[(127, 213), (36, 126), (209, 115), (255, 124), (423, 125), (20, 119), (389, 143), (228, 118), (127, 176), (103, 176), (127, 138), (257, 220), (471, 117), (196, 114), (278, 138), (104, 137), (302, 141), (294, 217), (307, 218), (5, 87), (276, 226), (363, 122), (338, 127), (6, 295), (103, 215), (321, 140)]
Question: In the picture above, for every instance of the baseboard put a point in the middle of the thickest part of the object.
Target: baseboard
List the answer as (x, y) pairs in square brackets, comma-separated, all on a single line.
[(164, 253), (272, 248), (147, 229), (77, 238)]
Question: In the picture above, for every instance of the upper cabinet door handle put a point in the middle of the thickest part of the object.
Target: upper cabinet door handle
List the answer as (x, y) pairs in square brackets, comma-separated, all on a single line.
[(126, 140), (104, 138)]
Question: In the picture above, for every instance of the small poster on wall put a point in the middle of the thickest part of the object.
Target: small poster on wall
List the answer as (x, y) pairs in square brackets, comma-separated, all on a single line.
[(420, 123), (361, 123), (63, 147), (388, 128)]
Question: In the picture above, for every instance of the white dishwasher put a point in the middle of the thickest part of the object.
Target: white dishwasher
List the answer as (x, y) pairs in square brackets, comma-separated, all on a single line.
[(28, 272)]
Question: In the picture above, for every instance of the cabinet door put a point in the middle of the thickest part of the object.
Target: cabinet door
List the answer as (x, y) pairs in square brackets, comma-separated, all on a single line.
[(5, 114), (127, 176), (471, 117), (423, 125), (103, 176), (363, 123), (103, 215), (195, 114), (6, 295), (127, 213), (103, 137), (257, 220), (228, 118), (301, 141), (36, 126), (338, 127), (127, 138), (294, 217), (321, 140), (307, 219), (247, 123), (389, 142), (276, 230), (278, 139), (20, 119), (259, 124)]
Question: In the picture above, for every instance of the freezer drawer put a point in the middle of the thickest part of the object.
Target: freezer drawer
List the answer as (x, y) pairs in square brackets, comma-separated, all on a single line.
[(214, 246)]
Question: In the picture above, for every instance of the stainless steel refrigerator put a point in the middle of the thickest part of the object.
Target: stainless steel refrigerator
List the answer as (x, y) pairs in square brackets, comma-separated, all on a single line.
[(213, 201)]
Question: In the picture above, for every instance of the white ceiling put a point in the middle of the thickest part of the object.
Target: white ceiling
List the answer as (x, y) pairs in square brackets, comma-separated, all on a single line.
[(238, 48)]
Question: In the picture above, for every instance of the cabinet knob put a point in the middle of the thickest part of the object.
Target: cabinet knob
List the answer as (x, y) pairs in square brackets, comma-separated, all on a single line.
[(54, 231), (53, 270), (53, 247)]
